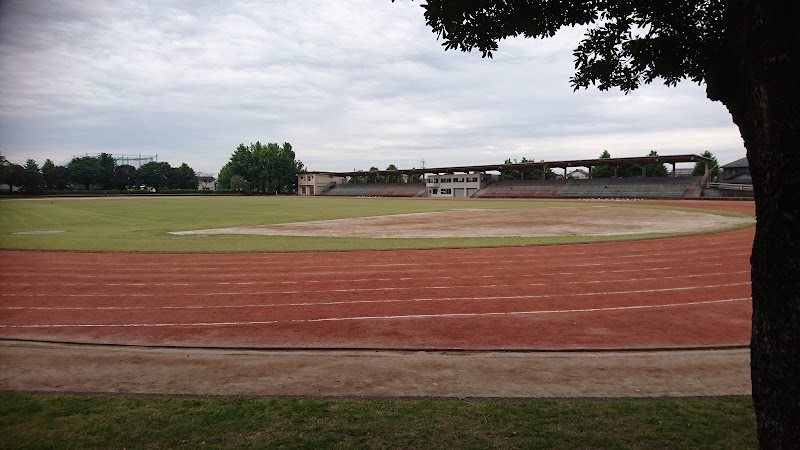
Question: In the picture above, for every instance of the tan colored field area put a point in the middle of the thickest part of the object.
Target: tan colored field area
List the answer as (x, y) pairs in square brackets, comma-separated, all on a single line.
[(561, 221)]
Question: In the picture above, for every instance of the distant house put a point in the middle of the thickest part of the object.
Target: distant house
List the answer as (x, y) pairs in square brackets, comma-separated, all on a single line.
[(578, 174), (207, 183), (737, 172)]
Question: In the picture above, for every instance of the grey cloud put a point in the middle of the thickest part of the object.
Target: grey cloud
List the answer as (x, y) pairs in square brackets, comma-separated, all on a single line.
[(349, 84)]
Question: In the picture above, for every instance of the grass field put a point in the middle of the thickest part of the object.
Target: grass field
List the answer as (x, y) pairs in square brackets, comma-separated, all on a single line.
[(41, 421), (142, 224)]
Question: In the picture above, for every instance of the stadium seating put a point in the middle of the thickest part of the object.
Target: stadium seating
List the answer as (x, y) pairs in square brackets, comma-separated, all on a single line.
[(652, 187), (378, 190), (401, 190), (355, 190), (521, 189), (639, 187)]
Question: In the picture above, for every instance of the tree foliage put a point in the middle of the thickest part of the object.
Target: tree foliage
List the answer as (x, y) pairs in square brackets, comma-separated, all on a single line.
[(154, 174), (225, 175), (239, 184), (626, 45), (268, 168), (532, 173), (32, 179), (700, 168), (603, 171), (655, 170), (125, 177), (84, 170), (182, 177), (106, 170)]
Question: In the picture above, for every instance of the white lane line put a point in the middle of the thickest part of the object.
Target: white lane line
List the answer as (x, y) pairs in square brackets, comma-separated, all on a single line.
[(358, 280), (304, 291), (515, 263), (388, 288), (397, 317), (357, 302), (533, 251)]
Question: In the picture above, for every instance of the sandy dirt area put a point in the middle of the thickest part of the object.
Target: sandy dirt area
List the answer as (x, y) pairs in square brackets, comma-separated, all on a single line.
[(582, 220), (164, 371)]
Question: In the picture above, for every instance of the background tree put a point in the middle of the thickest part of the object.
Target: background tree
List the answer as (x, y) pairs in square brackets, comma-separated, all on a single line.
[(32, 179), (287, 168), (375, 178), (182, 177), (225, 175), (3, 169), (747, 52), (269, 168), (57, 178), (47, 166), (124, 177), (603, 171), (239, 184), (154, 174), (527, 174), (655, 170), (700, 168), (84, 170), (14, 176), (106, 170)]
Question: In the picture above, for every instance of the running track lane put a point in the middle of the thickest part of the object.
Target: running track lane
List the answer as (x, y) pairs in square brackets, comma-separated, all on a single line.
[(690, 291)]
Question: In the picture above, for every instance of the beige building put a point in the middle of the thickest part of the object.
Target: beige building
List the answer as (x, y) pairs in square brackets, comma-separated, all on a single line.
[(315, 183)]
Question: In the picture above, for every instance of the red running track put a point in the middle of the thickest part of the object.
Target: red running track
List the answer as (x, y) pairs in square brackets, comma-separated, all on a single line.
[(677, 292)]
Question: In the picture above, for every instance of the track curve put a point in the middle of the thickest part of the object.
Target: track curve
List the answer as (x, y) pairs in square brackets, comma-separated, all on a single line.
[(665, 293)]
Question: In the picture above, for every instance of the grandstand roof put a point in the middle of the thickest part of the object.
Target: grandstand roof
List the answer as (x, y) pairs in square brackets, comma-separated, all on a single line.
[(640, 160)]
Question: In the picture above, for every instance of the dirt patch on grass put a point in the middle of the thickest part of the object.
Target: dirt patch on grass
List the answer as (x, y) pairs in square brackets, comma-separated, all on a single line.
[(40, 232), (538, 222)]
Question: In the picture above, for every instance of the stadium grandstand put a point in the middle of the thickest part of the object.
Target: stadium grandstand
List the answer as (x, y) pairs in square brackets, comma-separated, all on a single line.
[(515, 180)]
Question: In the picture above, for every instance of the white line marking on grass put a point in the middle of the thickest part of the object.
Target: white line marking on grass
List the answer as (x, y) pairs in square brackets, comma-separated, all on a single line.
[(359, 318)]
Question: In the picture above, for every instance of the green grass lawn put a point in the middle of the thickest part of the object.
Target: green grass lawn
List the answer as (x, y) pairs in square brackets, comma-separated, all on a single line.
[(142, 224), (55, 421)]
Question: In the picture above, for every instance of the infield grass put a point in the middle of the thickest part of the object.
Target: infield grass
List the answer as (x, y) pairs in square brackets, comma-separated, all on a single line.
[(135, 224), (55, 421)]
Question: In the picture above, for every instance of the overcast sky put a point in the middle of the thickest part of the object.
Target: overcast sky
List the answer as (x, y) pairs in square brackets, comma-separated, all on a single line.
[(350, 84)]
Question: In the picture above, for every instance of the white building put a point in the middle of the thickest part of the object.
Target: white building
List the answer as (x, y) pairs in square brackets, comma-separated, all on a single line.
[(455, 185), (578, 174), (207, 183), (315, 183)]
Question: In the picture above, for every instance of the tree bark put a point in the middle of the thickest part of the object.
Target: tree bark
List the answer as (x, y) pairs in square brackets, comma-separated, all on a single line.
[(764, 101)]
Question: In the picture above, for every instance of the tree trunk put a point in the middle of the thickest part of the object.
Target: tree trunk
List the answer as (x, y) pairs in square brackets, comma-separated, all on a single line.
[(764, 101)]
